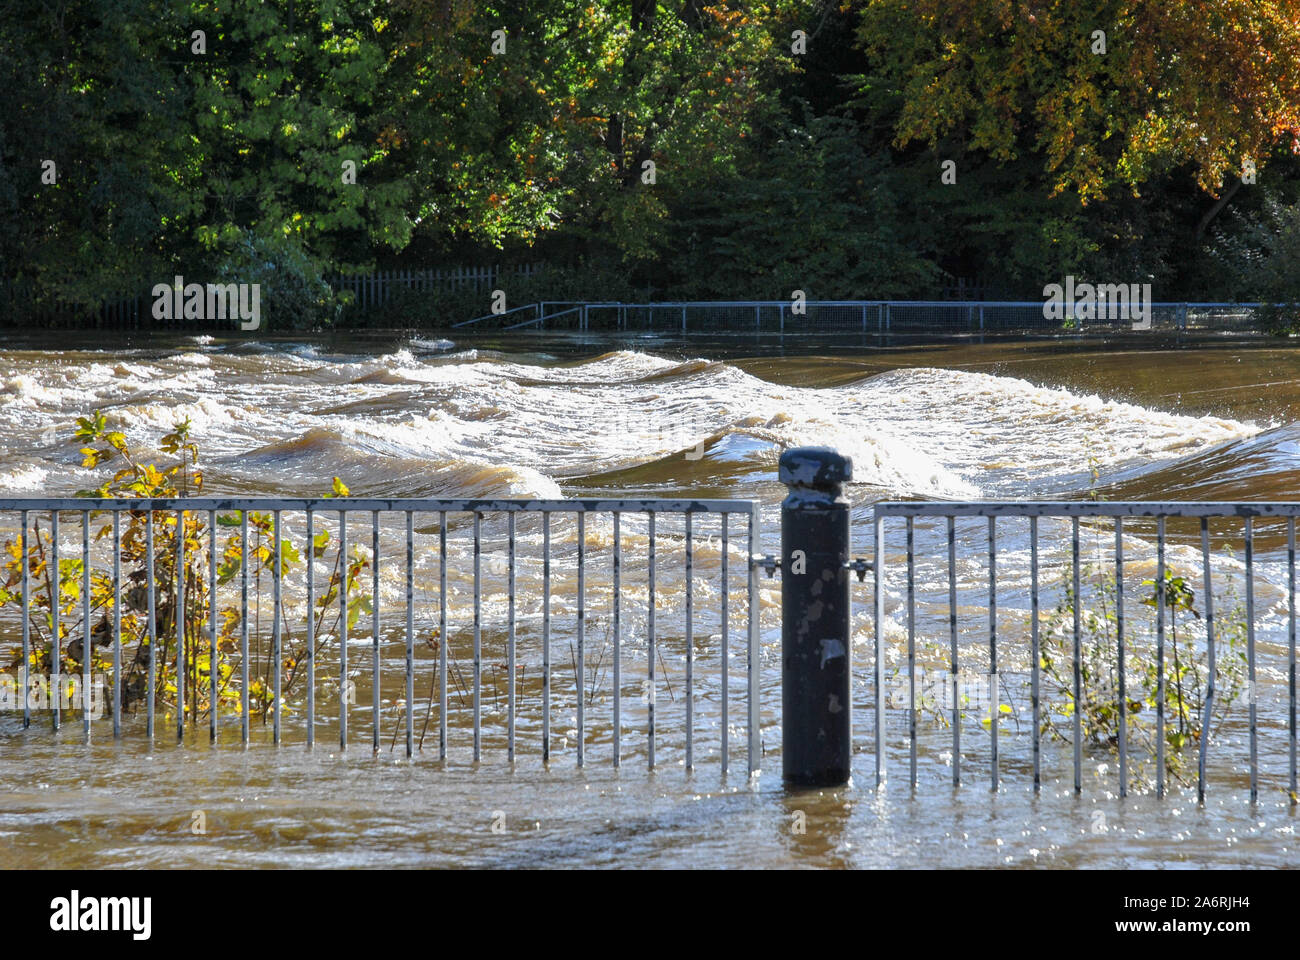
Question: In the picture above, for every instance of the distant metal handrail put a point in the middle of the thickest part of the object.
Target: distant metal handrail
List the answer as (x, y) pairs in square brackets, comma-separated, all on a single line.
[(542, 317), (882, 316), (494, 316)]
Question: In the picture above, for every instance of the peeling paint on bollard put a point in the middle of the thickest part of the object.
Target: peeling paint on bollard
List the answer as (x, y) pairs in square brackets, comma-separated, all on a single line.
[(815, 699)]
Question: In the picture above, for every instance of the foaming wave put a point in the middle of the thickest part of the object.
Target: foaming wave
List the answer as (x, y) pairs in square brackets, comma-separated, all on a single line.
[(193, 359), (439, 345), (376, 466), (1263, 467), (879, 459), (1008, 434), (293, 418), (24, 478), (25, 388)]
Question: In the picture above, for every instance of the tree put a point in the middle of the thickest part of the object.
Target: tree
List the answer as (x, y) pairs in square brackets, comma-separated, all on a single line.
[(1258, 260), (813, 211), (290, 118), (93, 87), (555, 131), (1207, 85)]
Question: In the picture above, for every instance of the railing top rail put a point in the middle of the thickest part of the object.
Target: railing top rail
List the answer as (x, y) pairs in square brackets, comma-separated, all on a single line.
[(1086, 508), (491, 316), (543, 317), (365, 504), (729, 303), (876, 302)]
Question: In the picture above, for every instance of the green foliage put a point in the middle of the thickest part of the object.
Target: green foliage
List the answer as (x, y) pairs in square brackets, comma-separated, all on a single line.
[(813, 212), (294, 294), (1184, 666), (285, 96), (188, 656), (1259, 260), (89, 87), (774, 171)]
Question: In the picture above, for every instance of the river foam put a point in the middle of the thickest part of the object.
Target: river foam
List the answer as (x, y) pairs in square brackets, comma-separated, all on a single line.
[(414, 423)]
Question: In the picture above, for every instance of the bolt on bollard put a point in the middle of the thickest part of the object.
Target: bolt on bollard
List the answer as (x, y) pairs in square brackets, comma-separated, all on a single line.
[(816, 734)]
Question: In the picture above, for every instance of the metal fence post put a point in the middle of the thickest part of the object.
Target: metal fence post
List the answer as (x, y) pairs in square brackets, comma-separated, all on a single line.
[(815, 697)]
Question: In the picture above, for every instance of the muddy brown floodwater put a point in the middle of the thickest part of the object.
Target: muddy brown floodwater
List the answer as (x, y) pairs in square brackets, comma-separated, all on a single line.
[(1214, 420)]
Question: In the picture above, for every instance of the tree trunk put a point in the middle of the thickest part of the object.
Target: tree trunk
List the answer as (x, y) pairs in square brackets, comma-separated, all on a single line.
[(1215, 210)]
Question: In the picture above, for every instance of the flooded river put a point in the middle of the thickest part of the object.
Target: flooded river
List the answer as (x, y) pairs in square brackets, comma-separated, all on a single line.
[(1120, 420)]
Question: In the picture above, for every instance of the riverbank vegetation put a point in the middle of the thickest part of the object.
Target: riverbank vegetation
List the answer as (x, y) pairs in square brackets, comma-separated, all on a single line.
[(871, 149), (1167, 680), (169, 635)]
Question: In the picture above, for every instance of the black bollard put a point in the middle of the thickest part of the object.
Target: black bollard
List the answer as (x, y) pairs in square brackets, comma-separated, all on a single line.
[(815, 702)]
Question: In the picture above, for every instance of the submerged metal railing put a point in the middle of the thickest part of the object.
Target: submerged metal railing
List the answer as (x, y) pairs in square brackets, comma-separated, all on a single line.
[(642, 565), (1144, 519), (682, 523), (866, 317)]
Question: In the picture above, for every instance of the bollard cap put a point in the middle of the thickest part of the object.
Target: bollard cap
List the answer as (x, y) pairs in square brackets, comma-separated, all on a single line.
[(818, 468)]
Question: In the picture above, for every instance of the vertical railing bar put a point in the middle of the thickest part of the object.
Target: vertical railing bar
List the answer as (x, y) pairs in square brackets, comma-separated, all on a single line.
[(311, 628), (1291, 665), (650, 648), (1034, 652), (410, 633), (510, 646), (911, 652), (117, 619), (181, 647), (343, 629), (1160, 657), (1078, 661), (277, 635), (1209, 664), (952, 639), (726, 643), (1119, 660), (87, 644), (56, 642), (375, 684), (878, 666), (582, 626), (151, 683), (213, 672), (546, 638), (245, 560), (478, 635), (27, 632), (752, 652), (690, 647), (618, 644), (442, 635), (1250, 658), (994, 707)]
